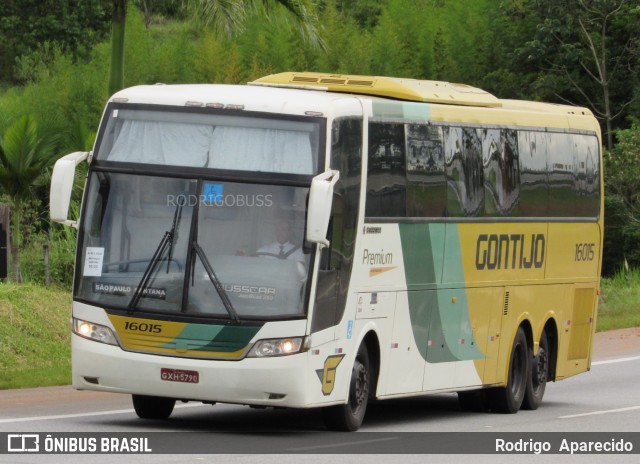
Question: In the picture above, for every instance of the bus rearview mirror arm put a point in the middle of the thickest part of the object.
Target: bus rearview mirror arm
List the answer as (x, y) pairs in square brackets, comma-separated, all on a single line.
[(62, 185), (319, 209)]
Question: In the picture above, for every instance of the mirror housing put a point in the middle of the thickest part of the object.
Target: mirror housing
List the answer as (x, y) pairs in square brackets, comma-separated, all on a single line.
[(319, 208), (61, 186)]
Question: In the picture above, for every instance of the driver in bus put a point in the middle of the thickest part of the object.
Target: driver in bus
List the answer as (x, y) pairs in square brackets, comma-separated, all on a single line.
[(282, 248)]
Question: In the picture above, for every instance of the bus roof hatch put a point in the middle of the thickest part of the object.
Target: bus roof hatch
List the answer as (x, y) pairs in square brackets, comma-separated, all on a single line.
[(386, 87)]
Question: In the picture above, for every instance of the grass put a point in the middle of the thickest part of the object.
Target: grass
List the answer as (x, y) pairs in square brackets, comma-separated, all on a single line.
[(619, 305), (35, 348)]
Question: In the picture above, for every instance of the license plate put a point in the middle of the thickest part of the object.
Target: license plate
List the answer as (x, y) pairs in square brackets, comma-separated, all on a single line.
[(179, 375)]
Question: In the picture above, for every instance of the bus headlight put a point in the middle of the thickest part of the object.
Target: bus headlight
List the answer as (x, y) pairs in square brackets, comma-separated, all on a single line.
[(276, 347), (96, 332)]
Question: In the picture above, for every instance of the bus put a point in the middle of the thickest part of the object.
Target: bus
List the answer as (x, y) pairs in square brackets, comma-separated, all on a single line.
[(314, 240)]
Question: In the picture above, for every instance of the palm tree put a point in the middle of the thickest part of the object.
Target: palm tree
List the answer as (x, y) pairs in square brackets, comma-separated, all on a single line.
[(25, 152), (226, 16)]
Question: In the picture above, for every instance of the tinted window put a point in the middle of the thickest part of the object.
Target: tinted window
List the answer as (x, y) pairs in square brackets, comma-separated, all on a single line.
[(587, 177), (426, 187), (491, 172), (386, 187), (346, 156), (534, 185), (463, 166), (562, 195), (501, 171), (337, 259)]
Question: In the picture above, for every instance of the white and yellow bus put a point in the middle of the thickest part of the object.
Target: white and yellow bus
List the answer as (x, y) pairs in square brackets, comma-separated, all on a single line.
[(314, 240)]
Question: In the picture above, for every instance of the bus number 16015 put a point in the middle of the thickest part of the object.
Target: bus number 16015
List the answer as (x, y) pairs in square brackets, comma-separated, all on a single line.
[(585, 252)]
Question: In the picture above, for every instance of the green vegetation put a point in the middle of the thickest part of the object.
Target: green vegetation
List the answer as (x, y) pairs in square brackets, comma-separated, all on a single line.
[(35, 345), (619, 305), (54, 71), (531, 49)]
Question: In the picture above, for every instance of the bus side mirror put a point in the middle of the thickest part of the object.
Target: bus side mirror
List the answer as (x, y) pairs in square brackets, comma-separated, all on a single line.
[(61, 186), (319, 209)]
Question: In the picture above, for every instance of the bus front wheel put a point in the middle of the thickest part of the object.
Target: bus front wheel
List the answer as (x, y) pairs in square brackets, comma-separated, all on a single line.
[(348, 417), (152, 407), (509, 399)]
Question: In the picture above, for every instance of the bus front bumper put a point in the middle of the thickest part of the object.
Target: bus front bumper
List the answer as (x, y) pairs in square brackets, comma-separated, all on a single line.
[(286, 381)]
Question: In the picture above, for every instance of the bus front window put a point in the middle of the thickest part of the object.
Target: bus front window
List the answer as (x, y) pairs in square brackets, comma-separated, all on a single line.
[(243, 258), (170, 137), (252, 235)]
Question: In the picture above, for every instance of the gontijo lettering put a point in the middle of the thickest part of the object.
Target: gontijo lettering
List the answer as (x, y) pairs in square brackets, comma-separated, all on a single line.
[(510, 251)]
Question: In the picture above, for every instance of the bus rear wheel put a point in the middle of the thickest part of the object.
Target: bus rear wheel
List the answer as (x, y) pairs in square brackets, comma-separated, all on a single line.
[(539, 375), (152, 407), (348, 417), (508, 399)]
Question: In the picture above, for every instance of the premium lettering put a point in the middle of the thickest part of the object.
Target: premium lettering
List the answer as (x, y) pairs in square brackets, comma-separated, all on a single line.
[(380, 258)]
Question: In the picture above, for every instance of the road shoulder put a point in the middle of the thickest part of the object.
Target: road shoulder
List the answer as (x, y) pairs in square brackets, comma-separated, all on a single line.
[(616, 343)]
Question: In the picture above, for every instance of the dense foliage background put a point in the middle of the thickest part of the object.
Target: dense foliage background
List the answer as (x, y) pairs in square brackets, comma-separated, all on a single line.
[(55, 59)]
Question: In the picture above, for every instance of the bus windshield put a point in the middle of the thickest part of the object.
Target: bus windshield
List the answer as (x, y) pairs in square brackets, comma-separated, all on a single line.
[(194, 137), (199, 242)]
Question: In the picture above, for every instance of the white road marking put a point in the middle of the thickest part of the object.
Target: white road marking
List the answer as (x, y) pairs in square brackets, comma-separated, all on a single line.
[(595, 413), (336, 445), (128, 411), (85, 414), (609, 411), (612, 361)]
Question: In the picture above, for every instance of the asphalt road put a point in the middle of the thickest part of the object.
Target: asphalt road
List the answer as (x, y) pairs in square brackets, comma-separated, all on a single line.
[(605, 399)]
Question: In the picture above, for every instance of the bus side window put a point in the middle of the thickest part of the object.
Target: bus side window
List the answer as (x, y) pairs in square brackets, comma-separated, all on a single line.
[(562, 194), (463, 165), (501, 172), (386, 173), (337, 259), (426, 184), (587, 185), (534, 181)]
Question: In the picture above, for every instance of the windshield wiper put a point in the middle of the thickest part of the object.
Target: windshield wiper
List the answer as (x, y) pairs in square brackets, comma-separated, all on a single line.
[(216, 283), (167, 240)]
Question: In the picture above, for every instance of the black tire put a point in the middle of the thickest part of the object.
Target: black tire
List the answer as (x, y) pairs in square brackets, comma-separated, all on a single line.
[(507, 400), (348, 417), (539, 375), (152, 407)]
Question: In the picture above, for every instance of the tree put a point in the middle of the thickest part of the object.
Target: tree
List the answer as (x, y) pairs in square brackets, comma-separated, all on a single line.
[(586, 51), (26, 150), (225, 16), (622, 207), (26, 26), (116, 67)]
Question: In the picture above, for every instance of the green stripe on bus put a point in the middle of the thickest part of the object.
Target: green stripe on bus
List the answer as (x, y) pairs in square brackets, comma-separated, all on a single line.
[(401, 110), (417, 253), (439, 318), (208, 337), (232, 339)]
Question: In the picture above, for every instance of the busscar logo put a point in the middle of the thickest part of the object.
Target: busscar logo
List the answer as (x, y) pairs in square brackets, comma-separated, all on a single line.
[(327, 374), (23, 443)]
